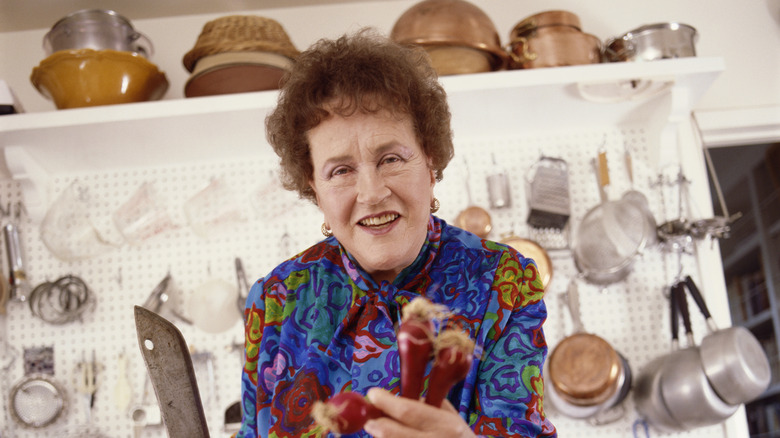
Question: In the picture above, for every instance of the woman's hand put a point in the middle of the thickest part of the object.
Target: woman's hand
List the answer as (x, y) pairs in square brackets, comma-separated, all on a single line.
[(409, 418)]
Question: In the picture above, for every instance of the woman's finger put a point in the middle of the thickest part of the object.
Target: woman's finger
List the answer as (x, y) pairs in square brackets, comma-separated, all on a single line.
[(410, 418)]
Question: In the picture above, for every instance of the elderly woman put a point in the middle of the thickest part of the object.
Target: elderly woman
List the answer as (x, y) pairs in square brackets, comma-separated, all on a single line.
[(363, 130)]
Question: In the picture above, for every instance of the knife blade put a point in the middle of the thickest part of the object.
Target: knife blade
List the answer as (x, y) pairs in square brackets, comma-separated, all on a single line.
[(169, 363)]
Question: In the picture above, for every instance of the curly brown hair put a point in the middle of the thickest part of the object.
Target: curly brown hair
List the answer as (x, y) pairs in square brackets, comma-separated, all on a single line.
[(363, 72)]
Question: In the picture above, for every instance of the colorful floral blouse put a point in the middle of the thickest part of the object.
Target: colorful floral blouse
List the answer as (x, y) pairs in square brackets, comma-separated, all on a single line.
[(318, 325)]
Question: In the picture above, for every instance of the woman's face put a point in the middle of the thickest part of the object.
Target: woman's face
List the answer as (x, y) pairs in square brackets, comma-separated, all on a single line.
[(374, 185)]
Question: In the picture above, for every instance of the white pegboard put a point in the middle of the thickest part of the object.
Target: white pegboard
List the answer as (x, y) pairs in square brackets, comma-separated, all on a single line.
[(631, 314)]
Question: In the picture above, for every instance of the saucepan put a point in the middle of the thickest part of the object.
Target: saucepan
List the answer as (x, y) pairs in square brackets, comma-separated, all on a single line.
[(672, 392), (688, 394), (647, 395), (586, 375), (735, 364), (652, 42)]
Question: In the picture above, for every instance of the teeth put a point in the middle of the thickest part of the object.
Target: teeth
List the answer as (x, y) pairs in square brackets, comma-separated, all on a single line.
[(378, 220)]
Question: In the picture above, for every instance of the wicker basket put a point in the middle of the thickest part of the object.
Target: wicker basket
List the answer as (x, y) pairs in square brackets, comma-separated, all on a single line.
[(240, 33)]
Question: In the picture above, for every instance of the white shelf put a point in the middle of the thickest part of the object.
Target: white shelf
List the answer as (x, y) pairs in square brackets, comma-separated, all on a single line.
[(149, 133), (38, 146)]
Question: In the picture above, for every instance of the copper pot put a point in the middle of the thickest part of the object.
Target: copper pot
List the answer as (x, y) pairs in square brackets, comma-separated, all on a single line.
[(552, 39), (434, 24)]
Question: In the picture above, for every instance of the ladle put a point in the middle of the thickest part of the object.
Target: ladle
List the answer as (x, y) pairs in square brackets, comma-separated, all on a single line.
[(473, 218)]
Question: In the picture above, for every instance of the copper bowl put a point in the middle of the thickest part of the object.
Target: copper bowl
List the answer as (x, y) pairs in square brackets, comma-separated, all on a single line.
[(451, 23), (86, 77)]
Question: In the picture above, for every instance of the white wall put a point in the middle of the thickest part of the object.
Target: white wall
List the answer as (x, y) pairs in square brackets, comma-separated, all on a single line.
[(746, 33)]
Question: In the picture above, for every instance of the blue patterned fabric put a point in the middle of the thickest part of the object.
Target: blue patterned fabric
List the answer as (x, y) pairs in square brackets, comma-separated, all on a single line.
[(318, 324)]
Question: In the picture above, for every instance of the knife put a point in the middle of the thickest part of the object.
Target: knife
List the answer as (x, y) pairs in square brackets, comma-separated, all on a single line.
[(170, 369)]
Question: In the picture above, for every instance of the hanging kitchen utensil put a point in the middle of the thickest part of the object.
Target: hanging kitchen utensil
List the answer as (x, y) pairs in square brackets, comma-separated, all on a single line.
[(17, 270), (168, 361), (165, 300), (473, 218), (243, 287), (648, 397), (5, 293), (123, 392), (586, 373), (684, 385), (733, 360), (61, 301), (610, 236), (212, 306), (498, 187), (37, 401), (639, 199), (547, 185)]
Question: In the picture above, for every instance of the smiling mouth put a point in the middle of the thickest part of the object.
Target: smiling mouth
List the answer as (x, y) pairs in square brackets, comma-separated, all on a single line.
[(378, 221)]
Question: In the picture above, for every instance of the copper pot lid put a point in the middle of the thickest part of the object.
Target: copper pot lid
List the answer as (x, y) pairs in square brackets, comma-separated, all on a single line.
[(530, 249), (584, 369), (547, 18)]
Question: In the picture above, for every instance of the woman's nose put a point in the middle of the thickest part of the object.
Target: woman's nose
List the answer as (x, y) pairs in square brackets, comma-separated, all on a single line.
[(371, 188)]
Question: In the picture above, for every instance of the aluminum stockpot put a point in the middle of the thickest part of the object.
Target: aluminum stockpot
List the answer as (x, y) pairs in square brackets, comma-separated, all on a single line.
[(551, 39), (652, 42), (97, 29)]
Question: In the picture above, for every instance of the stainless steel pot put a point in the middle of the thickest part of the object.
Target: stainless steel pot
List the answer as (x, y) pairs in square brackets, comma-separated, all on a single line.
[(686, 390), (98, 29), (733, 360), (652, 42), (647, 395)]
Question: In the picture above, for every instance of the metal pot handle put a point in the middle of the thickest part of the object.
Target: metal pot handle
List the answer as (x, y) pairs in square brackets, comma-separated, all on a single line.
[(674, 313), (699, 299), (573, 301), (143, 45), (684, 312)]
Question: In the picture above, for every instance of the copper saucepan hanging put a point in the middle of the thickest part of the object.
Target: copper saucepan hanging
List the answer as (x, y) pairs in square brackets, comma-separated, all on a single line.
[(586, 374)]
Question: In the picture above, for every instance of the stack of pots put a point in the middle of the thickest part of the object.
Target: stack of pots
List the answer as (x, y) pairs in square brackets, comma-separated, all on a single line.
[(552, 39), (236, 54), (700, 385), (457, 35), (96, 57)]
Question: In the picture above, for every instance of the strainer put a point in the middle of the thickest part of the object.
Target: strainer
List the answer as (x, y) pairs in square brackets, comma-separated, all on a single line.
[(36, 401), (610, 236)]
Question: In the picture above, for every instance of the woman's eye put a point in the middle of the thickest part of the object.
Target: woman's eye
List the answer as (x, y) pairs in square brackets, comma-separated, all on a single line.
[(390, 159), (339, 171)]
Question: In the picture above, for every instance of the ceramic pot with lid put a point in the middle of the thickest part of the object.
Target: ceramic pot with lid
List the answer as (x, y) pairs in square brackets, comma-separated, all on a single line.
[(552, 39), (97, 29), (652, 42)]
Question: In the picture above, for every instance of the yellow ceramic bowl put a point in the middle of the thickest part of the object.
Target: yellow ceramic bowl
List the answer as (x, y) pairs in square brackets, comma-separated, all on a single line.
[(87, 77)]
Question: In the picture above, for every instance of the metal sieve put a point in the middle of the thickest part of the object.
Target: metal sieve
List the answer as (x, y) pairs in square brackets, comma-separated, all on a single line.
[(36, 401)]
